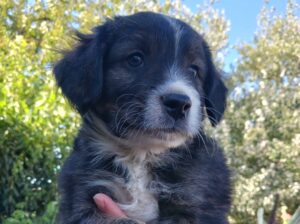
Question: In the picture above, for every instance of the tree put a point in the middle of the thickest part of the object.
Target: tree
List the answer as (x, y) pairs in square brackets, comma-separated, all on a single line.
[(261, 130), (36, 124)]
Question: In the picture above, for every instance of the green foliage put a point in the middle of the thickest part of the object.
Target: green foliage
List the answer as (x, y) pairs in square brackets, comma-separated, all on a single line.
[(36, 127), (20, 216), (261, 130)]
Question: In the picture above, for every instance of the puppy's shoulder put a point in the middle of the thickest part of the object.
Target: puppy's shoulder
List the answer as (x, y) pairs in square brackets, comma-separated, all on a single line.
[(202, 157)]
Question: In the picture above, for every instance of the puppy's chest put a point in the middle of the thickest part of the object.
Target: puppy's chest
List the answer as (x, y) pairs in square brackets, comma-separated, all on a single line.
[(144, 205)]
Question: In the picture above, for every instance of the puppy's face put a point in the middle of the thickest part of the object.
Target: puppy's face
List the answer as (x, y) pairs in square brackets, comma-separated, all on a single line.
[(147, 76)]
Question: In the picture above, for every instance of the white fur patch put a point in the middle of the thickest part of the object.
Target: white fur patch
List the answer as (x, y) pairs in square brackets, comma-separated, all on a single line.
[(178, 32), (144, 205)]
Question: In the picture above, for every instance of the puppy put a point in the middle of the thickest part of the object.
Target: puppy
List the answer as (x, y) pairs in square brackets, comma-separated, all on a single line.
[(143, 85)]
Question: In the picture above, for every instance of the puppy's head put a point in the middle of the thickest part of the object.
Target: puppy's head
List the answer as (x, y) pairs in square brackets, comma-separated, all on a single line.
[(146, 76)]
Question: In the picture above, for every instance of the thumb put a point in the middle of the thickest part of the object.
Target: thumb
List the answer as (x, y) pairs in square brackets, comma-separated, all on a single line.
[(108, 206)]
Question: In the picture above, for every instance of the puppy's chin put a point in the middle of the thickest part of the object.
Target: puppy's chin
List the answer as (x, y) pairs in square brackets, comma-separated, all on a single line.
[(156, 141)]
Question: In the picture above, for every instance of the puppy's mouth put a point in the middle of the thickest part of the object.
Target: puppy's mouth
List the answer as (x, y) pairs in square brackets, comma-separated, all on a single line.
[(162, 133), (157, 139), (160, 120)]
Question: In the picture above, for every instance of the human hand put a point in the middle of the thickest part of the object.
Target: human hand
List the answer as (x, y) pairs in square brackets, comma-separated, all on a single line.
[(108, 206)]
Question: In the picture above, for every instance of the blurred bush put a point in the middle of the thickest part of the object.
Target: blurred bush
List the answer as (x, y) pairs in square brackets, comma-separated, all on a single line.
[(261, 129), (260, 132), (36, 126), (21, 216)]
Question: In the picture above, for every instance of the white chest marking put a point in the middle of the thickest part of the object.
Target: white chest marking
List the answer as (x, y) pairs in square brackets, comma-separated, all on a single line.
[(144, 206)]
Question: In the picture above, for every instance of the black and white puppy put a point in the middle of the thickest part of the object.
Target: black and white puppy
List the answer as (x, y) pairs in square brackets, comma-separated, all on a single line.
[(143, 85)]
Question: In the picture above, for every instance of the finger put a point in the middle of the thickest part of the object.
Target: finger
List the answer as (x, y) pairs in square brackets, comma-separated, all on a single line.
[(108, 206)]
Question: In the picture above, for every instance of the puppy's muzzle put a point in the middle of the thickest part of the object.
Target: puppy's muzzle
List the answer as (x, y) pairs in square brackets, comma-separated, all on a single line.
[(176, 105)]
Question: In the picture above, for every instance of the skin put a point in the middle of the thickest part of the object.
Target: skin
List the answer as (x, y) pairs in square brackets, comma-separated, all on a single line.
[(108, 206)]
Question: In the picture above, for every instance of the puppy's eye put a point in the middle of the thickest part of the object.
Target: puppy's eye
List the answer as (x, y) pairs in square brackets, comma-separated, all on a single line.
[(193, 70), (136, 59)]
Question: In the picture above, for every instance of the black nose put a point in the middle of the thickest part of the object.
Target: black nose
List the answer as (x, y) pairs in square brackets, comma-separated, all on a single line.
[(176, 105)]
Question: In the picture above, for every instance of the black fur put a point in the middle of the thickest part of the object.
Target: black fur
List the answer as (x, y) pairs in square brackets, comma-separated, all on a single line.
[(191, 181)]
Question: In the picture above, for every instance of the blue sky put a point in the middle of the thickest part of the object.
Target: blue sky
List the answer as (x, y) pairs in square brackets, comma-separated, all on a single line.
[(242, 15)]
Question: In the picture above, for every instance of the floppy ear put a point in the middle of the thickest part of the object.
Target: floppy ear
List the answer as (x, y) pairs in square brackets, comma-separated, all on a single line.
[(215, 91), (79, 73)]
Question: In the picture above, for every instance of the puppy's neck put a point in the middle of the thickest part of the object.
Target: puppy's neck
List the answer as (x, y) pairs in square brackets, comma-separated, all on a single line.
[(133, 148)]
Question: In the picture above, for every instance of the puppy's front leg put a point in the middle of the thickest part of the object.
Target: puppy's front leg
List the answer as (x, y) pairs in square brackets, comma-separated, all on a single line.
[(215, 218), (172, 213), (77, 204)]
